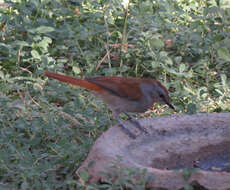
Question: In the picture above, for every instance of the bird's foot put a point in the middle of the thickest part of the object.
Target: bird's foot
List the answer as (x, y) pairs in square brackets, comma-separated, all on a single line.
[(126, 130), (136, 123)]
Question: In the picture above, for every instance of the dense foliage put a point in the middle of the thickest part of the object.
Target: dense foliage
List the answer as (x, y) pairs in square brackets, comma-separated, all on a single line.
[(47, 128)]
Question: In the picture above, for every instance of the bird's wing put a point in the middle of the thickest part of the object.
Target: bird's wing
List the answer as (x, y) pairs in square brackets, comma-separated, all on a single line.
[(125, 87)]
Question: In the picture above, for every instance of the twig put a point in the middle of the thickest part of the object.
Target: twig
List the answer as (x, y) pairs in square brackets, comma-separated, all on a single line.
[(5, 5), (19, 56), (119, 45), (106, 55), (33, 100), (124, 32), (67, 116), (3, 29), (41, 158), (107, 39), (25, 69)]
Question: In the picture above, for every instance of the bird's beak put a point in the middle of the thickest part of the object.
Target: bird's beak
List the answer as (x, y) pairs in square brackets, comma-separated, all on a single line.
[(171, 106), (167, 101)]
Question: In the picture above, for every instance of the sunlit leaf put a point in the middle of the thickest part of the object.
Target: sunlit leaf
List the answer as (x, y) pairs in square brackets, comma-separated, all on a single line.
[(224, 53)]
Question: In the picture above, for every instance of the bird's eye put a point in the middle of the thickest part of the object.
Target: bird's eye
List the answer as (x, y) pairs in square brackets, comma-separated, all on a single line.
[(161, 96)]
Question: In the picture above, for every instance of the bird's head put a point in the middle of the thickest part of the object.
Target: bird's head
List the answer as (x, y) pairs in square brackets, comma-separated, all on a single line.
[(158, 93)]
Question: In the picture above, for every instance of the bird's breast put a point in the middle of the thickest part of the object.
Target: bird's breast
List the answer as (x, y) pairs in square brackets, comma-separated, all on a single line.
[(120, 104)]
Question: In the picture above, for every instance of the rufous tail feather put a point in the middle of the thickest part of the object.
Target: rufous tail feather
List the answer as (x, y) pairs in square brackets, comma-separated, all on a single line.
[(74, 81)]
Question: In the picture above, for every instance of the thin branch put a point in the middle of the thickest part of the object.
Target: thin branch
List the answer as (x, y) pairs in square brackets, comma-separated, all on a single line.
[(103, 59), (107, 39)]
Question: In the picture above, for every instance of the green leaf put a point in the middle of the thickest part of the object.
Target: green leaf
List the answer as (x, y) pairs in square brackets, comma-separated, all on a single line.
[(188, 187), (157, 43), (2, 75), (35, 54), (219, 91), (24, 185), (224, 53), (21, 43), (223, 79), (91, 163), (76, 70), (178, 59), (47, 40), (182, 68), (191, 108), (84, 176), (45, 43), (42, 29)]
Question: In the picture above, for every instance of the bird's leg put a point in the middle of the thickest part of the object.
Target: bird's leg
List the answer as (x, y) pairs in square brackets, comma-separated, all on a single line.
[(126, 129), (136, 122)]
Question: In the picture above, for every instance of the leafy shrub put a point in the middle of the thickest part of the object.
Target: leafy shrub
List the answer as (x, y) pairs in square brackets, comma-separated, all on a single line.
[(47, 128)]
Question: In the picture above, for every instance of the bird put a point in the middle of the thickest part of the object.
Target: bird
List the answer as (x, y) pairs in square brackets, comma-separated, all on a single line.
[(122, 94)]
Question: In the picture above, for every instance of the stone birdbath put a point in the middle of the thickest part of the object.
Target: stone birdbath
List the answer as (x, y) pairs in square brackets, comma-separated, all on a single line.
[(173, 143)]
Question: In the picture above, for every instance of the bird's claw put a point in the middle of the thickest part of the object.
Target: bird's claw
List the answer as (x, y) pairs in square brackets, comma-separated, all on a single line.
[(128, 132), (138, 125)]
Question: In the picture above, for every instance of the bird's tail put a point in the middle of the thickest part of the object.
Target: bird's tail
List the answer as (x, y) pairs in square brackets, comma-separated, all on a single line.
[(74, 81)]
